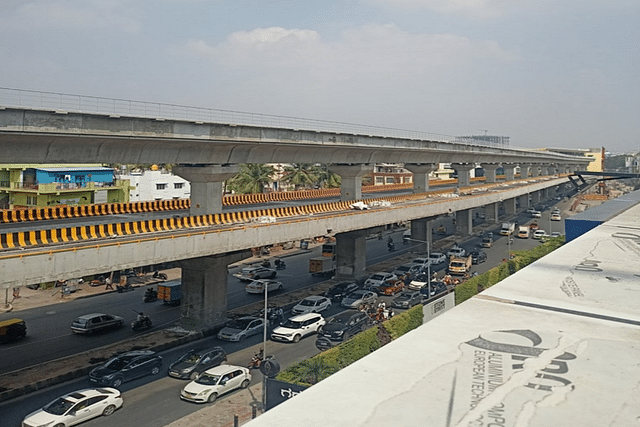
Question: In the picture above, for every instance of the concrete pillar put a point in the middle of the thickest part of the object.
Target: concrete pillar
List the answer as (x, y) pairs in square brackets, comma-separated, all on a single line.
[(490, 172), (421, 232), (491, 212), (510, 206), (351, 179), (206, 186), (524, 201), (464, 222), (204, 290), (351, 255), (464, 174), (509, 172), (525, 170), (421, 175)]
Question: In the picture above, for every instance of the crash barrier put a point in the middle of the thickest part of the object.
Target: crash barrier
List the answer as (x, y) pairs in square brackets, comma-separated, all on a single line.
[(103, 231)]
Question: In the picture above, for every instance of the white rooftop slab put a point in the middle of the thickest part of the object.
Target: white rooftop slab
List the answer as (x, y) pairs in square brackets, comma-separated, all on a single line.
[(556, 344)]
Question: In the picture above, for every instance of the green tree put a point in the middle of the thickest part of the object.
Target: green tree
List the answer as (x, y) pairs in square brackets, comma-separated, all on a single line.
[(253, 178), (314, 370), (326, 178), (300, 175)]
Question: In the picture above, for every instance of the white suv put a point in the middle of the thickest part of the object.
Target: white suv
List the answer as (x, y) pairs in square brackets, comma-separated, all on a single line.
[(456, 252), (297, 327)]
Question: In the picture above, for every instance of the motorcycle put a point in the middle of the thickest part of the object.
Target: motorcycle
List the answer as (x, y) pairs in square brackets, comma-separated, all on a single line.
[(124, 288), (158, 275), (391, 246), (141, 323), (280, 265), (150, 295), (257, 360)]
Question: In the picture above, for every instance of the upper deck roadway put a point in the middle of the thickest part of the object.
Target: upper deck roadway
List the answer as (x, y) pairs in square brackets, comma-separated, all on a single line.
[(57, 128)]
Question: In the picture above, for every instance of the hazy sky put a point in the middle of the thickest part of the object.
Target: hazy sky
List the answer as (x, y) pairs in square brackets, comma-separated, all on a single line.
[(562, 73)]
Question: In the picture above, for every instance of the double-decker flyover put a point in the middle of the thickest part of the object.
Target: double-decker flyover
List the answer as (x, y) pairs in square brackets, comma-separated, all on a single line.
[(207, 151)]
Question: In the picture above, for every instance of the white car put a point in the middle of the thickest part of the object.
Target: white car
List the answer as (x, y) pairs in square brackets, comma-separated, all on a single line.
[(258, 286), (215, 382), (409, 269), (359, 298), (422, 262), (248, 274), (297, 327), (377, 279), (538, 233), (556, 217), (76, 407), (456, 252), (311, 304), (536, 214), (437, 257)]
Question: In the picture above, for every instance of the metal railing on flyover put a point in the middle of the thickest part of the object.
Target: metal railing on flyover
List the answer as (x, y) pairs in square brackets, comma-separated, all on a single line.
[(10, 97), (37, 238)]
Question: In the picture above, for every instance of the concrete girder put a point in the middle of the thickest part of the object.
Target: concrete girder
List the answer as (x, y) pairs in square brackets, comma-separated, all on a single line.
[(421, 175), (206, 185)]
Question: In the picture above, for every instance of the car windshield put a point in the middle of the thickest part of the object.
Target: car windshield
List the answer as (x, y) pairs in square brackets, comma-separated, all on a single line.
[(402, 268), (191, 358), (291, 324), (338, 320), (118, 363), (239, 323), (403, 297), (58, 406), (307, 303), (377, 277), (208, 379)]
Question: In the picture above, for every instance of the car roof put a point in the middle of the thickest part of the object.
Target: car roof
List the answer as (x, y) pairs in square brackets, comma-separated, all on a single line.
[(86, 392), (223, 369), (315, 298), (303, 317), (137, 353), (345, 315), (91, 316)]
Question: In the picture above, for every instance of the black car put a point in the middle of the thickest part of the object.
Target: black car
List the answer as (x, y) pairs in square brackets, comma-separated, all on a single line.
[(433, 290), (407, 299), (194, 362), (341, 290), (478, 257), (126, 367), (341, 327)]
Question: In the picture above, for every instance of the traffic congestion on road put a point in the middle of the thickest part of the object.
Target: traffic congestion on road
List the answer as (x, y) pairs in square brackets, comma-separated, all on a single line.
[(150, 384)]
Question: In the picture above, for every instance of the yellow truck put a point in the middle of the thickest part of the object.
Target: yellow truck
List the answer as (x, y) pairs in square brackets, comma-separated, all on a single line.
[(459, 266), (12, 330)]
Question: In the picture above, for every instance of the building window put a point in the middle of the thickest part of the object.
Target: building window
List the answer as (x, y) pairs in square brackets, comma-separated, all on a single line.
[(379, 180), (178, 185), (390, 180), (32, 200), (161, 186)]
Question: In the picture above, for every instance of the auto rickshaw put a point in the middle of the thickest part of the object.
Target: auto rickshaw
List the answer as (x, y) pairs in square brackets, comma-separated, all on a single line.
[(12, 330)]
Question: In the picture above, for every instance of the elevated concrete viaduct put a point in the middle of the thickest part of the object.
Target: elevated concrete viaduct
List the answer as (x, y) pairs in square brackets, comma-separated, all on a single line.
[(207, 153)]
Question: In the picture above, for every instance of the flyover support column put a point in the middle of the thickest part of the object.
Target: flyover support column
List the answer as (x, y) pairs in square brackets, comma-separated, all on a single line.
[(492, 212), (204, 289), (524, 200), (206, 186), (464, 173), (490, 172), (464, 222), (510, 206), (509, 172), (351, 178), (421, 175), (525, 170), (351, 255), (421, 233)]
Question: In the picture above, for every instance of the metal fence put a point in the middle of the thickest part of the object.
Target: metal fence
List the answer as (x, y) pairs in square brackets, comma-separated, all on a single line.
[(122, 107)]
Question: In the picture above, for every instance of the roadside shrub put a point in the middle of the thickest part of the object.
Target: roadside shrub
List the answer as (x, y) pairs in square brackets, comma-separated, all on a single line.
[(404, 322)]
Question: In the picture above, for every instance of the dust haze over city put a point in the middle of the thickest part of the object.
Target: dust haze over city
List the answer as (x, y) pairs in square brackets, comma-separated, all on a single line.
[(545, 73)]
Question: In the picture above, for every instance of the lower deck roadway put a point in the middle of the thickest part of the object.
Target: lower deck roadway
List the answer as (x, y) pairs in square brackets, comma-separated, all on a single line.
[(60, 262)]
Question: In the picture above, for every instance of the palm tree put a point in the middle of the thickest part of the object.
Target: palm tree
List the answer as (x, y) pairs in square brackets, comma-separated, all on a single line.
[(314, 370), (326, 178), (300, 175), (253, 178)]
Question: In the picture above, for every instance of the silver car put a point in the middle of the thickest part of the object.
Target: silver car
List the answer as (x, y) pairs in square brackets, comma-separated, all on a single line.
[(359, 298), (241, 328), (96, 322)]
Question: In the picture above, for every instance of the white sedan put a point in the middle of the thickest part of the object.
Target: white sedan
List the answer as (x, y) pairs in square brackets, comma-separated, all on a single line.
[(312, 304), (258, 286), (215, 382), (539, 233), (437, 257), (76, 407)]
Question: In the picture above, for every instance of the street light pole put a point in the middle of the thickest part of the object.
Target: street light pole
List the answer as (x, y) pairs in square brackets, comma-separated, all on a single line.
[(264, 349)]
